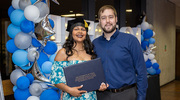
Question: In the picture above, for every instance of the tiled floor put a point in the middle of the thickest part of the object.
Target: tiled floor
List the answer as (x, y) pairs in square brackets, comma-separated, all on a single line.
[(171, 91)]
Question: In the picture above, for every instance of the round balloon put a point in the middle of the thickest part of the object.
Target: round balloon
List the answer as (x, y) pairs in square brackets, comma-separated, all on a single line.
[(27, 26), (43, 8), (42, 58), (22, 40), (24, 3), (158, 71), (33, 98), (15, 74), (144, 25), (155, 66), (35, 89), (148, 34), (52, 57), (15, 4), (151, 41), (46, 67), (36, 43), (151, 71), (153, 61), (151, 56), (144, 45), (17, 16), (32, 54), (148, 64), (19, 58), (51, 22), (23, 82), (30, 77), (12, 30), (14, 88), (145, 57), (49, 94), (31, 12), (10, 46), (20, 94), (52, 45), (10, 10), (33, 1)]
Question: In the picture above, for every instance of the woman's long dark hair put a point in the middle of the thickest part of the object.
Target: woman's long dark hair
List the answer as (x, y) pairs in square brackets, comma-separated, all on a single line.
[(88, 46)]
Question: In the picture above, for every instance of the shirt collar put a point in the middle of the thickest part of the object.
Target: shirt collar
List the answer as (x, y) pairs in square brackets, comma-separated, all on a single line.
[(114, 35)]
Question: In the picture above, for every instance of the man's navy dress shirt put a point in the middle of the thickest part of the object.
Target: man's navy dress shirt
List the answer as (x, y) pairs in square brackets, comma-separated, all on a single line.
[(123, 61)]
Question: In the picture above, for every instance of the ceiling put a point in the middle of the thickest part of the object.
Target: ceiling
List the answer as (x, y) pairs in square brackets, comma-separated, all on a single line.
[(176, 2)]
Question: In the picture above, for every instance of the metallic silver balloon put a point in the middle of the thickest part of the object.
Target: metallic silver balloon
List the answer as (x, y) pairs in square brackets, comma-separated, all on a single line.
[(47, 1), (32, 54), (43, 9), (44, 28), (22, 40), (15, 74), (35, 89), (24, 3), (37, 73)]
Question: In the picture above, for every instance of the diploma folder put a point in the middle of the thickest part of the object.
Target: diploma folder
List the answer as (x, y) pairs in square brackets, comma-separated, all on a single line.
[(90, 74)]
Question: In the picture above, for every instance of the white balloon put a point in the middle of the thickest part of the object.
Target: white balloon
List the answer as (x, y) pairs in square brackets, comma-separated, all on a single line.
[(151, 56), (145, 25), (33, 98), (153, 61), (145, 57), (15, 4), (31, 13), (154, 33), (38, 20)]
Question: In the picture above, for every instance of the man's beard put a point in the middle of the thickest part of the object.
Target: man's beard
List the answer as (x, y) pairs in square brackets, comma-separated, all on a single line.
[(109, 31)]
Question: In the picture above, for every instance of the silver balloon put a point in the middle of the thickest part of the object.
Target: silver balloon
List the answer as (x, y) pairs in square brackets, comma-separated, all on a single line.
[(15, 74), (22, 40), (44, 28), (24, 3), (35, 89), (43, 8), (47, 1), (32, 54), (37, 73)]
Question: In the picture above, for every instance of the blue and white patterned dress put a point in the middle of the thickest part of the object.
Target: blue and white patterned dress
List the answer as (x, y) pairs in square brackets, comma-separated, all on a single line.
[(57, 76)]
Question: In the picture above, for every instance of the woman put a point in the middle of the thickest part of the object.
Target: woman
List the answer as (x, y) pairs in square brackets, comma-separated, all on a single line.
[(77, 48)]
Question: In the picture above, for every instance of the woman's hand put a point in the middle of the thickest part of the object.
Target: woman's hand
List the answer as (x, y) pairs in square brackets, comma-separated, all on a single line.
[(103, 86), (74, 91)]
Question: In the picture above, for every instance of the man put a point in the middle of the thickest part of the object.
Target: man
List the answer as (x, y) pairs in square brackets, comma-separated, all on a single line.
[(122, 60)]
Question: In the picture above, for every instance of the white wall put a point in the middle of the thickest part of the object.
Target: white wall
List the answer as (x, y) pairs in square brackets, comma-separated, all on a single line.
[(161, 14)]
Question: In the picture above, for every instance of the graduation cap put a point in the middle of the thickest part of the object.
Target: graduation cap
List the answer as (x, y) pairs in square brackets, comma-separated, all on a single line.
[(77, 22)]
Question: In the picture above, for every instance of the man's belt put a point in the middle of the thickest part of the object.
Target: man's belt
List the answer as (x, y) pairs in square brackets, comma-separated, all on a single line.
[(122, 88)]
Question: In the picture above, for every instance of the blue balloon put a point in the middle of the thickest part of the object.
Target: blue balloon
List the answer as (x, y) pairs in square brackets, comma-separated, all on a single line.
[(14, 88), (12, 30), (142, 38), (52, 57), (23, 82), (17, 16), (33, 1), (10, 10), (27, 26), (46, 67), (42, 58), (158, 71), (22, 94), (151, 71), (144, 45), (36, 43), (49, 94), (148, 33), (151, 41), (148, 64), (26, 67), (30, 77), (155, 66), (52, 45), (10, 46), (19, 58), (51, 23)]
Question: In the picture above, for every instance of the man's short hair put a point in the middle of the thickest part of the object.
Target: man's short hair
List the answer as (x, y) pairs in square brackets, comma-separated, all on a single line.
[(101, 10)]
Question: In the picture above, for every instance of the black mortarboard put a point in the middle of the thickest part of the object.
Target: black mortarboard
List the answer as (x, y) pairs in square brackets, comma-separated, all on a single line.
[(77, 22)]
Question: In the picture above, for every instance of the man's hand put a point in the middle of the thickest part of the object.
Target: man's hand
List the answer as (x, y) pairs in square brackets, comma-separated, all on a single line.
[(103, 86)]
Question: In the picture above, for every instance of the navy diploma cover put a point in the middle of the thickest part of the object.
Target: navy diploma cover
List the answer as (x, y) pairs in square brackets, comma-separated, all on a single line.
[(90, 74)]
